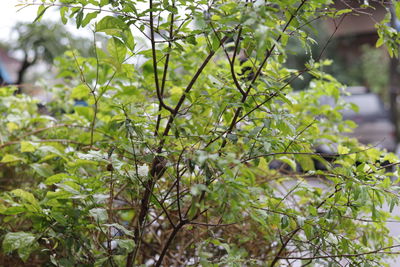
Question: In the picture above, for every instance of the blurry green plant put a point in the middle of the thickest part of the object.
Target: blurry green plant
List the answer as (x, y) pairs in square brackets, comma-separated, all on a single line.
[(170, 162), (375, 69)]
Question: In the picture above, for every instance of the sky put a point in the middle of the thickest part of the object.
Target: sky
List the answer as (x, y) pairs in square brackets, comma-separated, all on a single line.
[(9, 15)]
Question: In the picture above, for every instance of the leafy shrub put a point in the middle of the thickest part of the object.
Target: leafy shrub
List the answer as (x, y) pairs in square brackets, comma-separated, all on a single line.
[(169, 163)]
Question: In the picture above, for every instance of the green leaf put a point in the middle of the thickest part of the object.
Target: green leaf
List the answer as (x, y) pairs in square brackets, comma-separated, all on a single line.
[(289, 162), (79, 18), (82, 91), (306, 162), (129, 245), (56, 178), (27, 146), (117, 50), (284, 222), (40, 13), (99, 214), (397, 8), (129, 40), (21, 241), (343, 150), (262, 164), (63, 10), (393, 203), (104, 2), (111, 25), (11, 158), (89, 17), (380, 42), (13, 210), (29, 197), (343, 11), (43, 169)]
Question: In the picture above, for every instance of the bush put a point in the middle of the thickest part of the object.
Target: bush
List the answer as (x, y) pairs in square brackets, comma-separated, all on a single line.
[(169, 163)]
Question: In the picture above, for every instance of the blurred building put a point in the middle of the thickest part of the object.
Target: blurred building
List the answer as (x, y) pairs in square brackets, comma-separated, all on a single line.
[(357, 28), (9, 68)]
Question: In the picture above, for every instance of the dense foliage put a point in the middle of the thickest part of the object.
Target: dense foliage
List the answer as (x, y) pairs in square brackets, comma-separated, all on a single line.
[(192, 148)]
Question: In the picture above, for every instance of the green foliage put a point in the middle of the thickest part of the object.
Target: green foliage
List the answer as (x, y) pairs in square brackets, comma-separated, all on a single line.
[(171, 162)]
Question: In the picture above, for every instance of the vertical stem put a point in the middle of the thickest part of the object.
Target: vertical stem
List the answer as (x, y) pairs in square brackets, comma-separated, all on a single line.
[(154, 56), (94, 118), (164, 78)]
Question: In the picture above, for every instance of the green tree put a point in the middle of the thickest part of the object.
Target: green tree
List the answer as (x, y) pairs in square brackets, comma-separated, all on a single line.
[(42, 42), (170, 164)]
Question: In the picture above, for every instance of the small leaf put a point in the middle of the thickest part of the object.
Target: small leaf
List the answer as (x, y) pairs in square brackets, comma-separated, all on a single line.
[(27, 147), (10, 158), (110, 25), (43, 169), (40, 13), (380, 42), (79, 18), (343, 11), (12, 126), (63, 10), (56, 178), (343, 150), (284, 221), (99, 214), (89, 17), (128, 39), (263, 165), (80, 92), (129, 245), (117, 50)]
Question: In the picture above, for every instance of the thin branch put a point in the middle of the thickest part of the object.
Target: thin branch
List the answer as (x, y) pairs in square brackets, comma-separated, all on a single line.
[(232, 61), (184, 94), (164, 78), (154, 57), (298, 134)]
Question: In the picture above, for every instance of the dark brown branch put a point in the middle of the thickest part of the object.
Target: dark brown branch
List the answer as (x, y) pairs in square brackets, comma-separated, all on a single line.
[(164, 78), (232, 61), (154, 56)]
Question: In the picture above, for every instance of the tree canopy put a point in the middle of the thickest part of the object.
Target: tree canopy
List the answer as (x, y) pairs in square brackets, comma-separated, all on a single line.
[(194, 149), (42, 42)]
